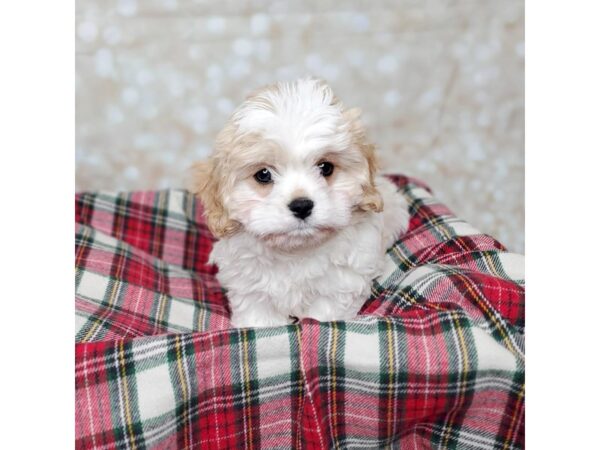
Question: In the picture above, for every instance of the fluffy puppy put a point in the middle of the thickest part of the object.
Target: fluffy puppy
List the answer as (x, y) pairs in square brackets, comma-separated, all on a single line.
[(291, 193)]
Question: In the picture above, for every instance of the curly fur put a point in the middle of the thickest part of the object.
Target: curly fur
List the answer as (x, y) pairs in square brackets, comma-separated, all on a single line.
[(273, 264)]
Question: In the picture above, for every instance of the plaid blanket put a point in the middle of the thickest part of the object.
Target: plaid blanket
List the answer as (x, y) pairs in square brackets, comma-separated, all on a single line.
[(435, 359)]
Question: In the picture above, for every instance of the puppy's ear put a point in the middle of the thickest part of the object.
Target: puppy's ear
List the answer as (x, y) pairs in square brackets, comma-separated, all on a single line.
[(352, 115), (371, 200), (205, 184)]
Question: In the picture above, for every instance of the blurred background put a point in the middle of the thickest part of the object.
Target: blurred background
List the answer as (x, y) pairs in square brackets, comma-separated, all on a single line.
[(440, 83)]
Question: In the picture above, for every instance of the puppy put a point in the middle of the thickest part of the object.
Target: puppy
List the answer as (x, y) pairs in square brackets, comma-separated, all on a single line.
[(292, 194)]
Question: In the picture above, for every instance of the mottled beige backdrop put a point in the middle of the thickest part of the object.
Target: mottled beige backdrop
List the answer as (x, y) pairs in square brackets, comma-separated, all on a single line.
[(440, 83)]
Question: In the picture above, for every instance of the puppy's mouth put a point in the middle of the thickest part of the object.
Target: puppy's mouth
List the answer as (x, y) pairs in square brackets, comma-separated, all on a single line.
[(304, 235), (303, 230)]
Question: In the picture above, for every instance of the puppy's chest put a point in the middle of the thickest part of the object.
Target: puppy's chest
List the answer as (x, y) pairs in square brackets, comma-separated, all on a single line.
[(318, 275), (343, 268)]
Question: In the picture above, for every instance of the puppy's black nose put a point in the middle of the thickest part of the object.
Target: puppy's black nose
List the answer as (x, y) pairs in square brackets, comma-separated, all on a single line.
[(301, 207)]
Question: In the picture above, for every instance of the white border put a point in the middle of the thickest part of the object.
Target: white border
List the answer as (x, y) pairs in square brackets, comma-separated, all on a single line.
[(562, 224), (37, 186)]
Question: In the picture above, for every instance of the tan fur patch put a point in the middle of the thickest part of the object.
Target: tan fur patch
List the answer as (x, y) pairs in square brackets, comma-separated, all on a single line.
[(207, 186), (372, 200)]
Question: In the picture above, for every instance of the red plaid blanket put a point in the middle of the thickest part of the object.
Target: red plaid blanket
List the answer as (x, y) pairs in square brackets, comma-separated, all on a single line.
[(435, 360)]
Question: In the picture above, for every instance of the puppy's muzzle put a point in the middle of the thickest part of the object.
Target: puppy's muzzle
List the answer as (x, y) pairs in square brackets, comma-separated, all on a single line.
[(301, 207)]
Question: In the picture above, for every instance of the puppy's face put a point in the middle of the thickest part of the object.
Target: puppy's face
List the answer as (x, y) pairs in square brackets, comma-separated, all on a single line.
[(291, 167)]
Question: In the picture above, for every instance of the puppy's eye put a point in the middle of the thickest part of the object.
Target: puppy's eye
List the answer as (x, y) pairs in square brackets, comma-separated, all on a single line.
[(263, 176), (326, 168)]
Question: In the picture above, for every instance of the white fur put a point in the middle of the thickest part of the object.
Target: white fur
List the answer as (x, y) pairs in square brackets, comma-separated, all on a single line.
[(273, 264), (330, 281)]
